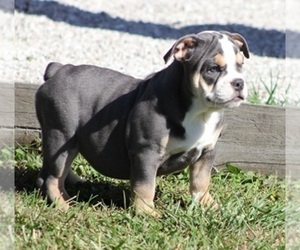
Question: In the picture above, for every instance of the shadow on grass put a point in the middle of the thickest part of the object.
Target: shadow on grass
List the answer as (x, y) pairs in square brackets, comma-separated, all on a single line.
[(94, 193)]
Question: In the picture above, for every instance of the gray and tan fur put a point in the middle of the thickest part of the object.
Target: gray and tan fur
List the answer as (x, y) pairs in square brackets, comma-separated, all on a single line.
[(134, 129)]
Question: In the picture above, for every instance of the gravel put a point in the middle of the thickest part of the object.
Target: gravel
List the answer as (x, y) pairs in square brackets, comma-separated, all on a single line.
[(132, 36)]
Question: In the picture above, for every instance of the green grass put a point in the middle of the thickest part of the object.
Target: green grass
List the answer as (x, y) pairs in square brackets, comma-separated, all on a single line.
[(293, 213), (6, 199), (6, 219), (252, 213)]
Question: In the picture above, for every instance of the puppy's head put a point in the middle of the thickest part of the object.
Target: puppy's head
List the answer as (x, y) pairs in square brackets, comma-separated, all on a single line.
[(213, 64)]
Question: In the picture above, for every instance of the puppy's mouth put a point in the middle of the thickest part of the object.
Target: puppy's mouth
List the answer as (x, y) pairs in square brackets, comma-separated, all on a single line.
[(235, 101), (238, 98)]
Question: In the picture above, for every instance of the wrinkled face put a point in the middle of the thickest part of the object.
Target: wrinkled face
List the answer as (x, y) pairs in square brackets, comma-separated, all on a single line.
[(221, 82)]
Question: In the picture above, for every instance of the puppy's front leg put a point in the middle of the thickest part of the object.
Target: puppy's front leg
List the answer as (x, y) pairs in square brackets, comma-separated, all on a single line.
[(143, 176), (200, 173)]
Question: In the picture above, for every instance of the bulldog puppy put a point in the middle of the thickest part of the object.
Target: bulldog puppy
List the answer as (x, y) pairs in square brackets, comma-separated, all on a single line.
[(135, 129)]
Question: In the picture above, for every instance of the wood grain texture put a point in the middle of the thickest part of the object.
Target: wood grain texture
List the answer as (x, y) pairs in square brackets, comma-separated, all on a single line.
[(7, 116), (7, 104), (255, 137), (25, 116), (293, 143)]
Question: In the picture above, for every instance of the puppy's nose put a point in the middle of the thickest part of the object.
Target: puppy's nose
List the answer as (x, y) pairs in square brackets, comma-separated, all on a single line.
[(238, 84)]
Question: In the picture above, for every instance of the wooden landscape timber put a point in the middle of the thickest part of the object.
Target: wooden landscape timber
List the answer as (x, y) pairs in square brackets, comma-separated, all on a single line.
[(254, 137), (7, 107)]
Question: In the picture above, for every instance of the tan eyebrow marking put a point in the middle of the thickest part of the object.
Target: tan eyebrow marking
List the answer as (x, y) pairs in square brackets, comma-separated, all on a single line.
[(220, 60), (239, 58)]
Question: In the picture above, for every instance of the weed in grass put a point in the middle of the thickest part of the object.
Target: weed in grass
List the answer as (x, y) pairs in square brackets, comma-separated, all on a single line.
[(269, 94), (251, 215)]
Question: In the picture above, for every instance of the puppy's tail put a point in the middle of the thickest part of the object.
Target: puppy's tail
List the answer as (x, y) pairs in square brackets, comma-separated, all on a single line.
[(51, 69)]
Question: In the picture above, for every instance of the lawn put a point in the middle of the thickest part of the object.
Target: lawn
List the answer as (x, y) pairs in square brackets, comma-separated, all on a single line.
[(251, 215)]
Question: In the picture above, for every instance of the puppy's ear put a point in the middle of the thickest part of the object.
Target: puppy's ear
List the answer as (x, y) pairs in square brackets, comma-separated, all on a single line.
[(241, 42), (183, 49)]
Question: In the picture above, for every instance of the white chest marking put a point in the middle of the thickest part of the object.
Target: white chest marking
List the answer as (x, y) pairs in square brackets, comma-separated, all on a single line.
[(200, 130)]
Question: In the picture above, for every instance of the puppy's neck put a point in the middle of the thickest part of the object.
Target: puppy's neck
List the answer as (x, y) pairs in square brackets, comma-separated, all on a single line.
[(199, 111)]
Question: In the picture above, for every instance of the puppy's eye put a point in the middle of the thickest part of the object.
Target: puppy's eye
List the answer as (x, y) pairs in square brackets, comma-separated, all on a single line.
[(214, 69)]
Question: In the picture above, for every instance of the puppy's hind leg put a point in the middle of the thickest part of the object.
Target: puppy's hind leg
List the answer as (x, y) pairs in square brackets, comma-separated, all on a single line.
[(59, 152)]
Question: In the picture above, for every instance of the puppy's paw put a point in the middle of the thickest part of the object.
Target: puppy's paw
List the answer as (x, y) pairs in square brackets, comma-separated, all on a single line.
[(209, 202), (143, 208), (59, 203), (148, 211)]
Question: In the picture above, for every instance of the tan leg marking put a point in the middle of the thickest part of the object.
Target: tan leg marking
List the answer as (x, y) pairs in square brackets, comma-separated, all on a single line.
[(199, 185), (143, 199), (56, 193)]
